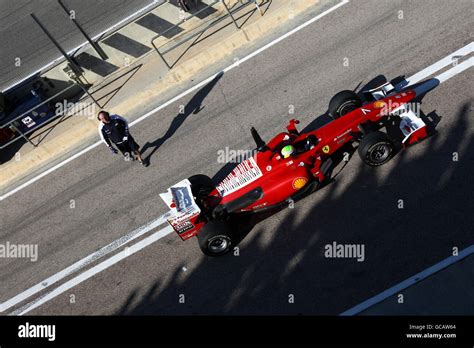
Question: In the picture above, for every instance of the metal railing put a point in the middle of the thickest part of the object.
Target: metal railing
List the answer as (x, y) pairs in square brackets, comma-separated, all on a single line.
[(96, 38), (18, 134), (229, 13), (23, 135)]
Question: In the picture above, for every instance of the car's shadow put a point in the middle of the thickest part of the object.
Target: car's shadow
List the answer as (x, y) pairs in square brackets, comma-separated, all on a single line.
[(243, 223), (288, 256)]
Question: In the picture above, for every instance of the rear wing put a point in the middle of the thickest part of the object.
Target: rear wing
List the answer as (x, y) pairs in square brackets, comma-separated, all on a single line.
[(183, 209)]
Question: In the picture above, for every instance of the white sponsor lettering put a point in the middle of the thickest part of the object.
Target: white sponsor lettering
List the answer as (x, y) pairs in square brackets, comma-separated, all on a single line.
[(242, 175)]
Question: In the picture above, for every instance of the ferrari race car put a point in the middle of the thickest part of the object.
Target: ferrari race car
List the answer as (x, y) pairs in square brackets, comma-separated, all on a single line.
[(294, 164)]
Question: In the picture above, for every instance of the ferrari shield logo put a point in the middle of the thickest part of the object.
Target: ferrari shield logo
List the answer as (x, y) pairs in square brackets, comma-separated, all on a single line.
[(326, 148)]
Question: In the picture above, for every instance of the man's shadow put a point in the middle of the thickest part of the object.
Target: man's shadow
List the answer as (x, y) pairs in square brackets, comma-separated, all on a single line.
[(192, 107)]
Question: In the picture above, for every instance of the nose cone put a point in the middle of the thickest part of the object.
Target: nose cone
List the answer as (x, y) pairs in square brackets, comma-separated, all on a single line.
[(426, 86)]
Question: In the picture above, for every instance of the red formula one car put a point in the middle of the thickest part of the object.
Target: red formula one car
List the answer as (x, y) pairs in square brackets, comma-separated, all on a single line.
[(293, 164)]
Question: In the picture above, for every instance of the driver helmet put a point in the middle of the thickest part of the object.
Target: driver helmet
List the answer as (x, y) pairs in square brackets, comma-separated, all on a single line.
[(287, 151)]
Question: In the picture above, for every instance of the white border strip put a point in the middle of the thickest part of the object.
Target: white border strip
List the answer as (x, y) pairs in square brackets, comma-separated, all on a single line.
[(455, 70), (82, 263), (430, 84), (93, 271), (442, 63), (408, 282)]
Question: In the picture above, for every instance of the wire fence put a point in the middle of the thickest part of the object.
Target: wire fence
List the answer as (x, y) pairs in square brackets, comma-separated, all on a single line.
[(27, 122), (229, 12), (24, 124)]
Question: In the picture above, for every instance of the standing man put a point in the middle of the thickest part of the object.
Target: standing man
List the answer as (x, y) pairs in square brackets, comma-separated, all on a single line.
[(113, 129)]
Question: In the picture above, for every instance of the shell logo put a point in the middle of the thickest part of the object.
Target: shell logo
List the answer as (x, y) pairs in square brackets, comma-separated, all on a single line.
[(298, 183)]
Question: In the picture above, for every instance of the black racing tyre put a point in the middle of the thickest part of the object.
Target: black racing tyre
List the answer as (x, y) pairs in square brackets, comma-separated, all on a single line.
[(376, 149), (343, 102), (215, 238)]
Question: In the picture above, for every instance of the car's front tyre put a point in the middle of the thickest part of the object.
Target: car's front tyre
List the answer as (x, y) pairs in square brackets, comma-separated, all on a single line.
[(343, 103), (376, 149)]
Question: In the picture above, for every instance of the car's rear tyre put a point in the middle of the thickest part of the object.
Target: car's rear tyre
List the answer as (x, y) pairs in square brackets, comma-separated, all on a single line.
[(343, 102), (376, 149), (215, 238)]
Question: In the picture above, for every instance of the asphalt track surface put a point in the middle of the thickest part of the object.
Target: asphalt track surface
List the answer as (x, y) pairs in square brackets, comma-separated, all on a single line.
[(284, 254), (21, 37)]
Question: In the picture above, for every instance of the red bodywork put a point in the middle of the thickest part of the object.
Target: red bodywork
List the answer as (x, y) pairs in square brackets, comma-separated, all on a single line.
[(280, 178)]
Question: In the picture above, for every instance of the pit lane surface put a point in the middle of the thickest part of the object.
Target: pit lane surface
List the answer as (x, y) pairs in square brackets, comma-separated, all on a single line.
[(285, 254)]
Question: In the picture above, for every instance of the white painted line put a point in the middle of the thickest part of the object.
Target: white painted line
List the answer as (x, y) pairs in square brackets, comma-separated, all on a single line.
[(409, 282), (434, 82), (442, 63), (452, 59), (456, 70), (202, 83), (93, 271), (82, 263), (48, 171), (136, 13), (284, 36)]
